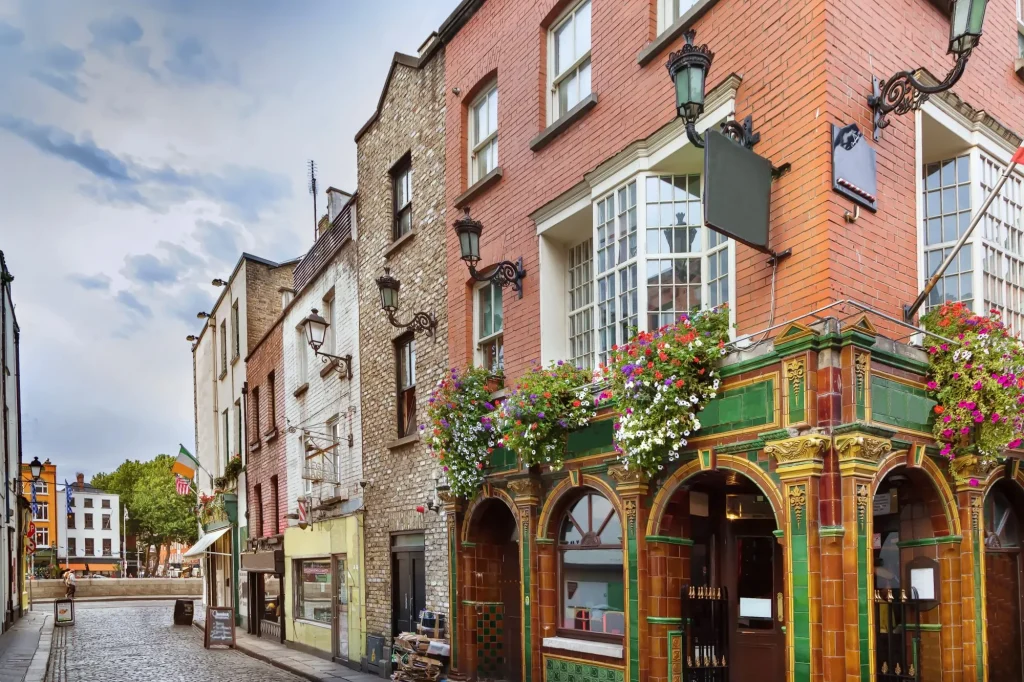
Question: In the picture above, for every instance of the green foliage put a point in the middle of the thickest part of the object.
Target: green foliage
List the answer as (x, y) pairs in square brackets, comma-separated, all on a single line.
[(234, 468), (545, 406)]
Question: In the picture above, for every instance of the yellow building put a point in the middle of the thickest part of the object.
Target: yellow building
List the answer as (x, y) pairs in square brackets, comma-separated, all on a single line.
[(326, 614), (45, 518)]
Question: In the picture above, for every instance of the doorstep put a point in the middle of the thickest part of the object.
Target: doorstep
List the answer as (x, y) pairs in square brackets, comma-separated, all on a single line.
[(296, 662)]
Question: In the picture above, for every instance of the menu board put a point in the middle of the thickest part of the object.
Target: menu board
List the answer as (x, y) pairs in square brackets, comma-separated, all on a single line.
[(220, 627)]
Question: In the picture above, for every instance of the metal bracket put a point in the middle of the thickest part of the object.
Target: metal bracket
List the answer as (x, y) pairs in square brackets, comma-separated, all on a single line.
[(340, 359), (777, 258), (779, 171), (506, 273)]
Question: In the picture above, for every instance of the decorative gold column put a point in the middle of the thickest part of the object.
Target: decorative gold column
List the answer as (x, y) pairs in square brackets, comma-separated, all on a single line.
[(632, 489), (800, 462), (526, 493), (859, 454)]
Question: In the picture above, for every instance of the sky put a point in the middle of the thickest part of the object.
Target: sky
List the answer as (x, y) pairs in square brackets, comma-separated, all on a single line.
[(144, 144)]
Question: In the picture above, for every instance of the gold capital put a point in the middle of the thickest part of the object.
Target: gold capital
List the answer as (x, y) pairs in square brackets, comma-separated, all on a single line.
[(966, 467), (525, 488), (862, 446), (799, 449)]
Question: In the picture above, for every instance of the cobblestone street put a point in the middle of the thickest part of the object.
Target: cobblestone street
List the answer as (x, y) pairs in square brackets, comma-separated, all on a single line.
[(137, 642)]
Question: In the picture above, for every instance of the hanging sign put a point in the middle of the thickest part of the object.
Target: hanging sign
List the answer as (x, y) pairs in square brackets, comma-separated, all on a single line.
[(220, 627), (854, 167), (31, 530)]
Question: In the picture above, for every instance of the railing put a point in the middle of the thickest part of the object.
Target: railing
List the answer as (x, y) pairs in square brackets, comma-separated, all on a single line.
[(897, 636), (320, 469), (705, 612)]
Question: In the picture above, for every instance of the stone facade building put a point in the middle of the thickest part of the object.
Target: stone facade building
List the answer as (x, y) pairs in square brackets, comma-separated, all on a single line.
[(403, 226)]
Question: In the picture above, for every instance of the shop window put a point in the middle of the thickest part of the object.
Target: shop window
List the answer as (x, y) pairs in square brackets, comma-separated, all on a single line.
[(592, 603), (313, 590), (483, 134), (405, 351), (569, 47), (490, 327)]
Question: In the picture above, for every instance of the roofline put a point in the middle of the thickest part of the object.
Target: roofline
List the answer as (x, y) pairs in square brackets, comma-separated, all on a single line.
[(405, 60), (457, 19)]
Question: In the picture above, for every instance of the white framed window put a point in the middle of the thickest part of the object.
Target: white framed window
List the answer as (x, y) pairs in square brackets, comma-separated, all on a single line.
[(483, 134), (301, 359), (239, 450), (223, 347), (947, 213), (670, 10), (490, 327), (569, 63), (226, 421), (42, 537), (42, 512), (42, 487), (401, 181), (1002, 235), (617, 302), (334, 428), (581, 304), (236, 329), (328, 314)]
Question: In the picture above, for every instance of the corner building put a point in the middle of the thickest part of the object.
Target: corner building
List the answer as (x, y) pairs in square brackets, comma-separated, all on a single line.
[(814, 482)]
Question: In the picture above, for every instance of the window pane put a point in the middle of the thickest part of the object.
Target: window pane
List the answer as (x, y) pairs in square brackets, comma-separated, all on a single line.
[(486, 312), (314, 591), (582, 22), (479, 122), (492, 111), (499, 321), (592, 590), (584, 79), (563, 47)]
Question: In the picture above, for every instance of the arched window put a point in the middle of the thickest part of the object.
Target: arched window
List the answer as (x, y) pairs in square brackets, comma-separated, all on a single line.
[(590, 570), (1001, 528)]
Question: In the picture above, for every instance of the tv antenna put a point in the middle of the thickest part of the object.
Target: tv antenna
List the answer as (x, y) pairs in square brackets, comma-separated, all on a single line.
[(312, 190)]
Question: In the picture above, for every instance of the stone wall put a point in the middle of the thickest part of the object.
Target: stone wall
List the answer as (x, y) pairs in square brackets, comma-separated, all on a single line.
[(400, 474), (120, 587)]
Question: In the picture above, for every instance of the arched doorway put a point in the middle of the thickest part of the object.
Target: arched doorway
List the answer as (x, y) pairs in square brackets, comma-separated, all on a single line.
[(907, 518), (731, 523), (494, 593), (1003, 580)]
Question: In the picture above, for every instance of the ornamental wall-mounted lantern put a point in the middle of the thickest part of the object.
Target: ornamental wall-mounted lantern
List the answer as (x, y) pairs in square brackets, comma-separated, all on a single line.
[(505, 274), (903, 92), (389, 286), (688, 69), (316, 332), (36, 467)]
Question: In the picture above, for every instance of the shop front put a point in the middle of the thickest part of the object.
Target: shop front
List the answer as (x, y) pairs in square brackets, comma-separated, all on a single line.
[(786, 546), (324, 583), (263, 566), (217, 547)]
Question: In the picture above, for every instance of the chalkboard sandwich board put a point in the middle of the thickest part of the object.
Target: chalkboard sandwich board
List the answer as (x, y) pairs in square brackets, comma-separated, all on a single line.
[(220, 627)]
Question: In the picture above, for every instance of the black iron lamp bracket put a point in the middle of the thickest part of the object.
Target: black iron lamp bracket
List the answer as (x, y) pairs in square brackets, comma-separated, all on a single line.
[(506, 273), (420, 322), (904, 93), (740, 133), (340, 360)]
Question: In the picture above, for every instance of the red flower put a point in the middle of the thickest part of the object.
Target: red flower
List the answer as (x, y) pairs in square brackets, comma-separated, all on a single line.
[(939, 409), (662, 356), (650, 365), (547, 394), (657, 375), (479, 465), (575, 403)]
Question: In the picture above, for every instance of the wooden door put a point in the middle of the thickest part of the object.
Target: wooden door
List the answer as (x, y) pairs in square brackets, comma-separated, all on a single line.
[(340, 620), (1002, 596), (512, 598), (408, 590), (753, 573)]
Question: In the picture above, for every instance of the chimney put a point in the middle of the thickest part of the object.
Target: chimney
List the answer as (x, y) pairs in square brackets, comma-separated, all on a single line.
[(336, 200), (81, 480)]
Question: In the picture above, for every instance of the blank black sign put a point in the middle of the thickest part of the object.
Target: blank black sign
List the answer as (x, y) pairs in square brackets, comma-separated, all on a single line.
[(737, 191)]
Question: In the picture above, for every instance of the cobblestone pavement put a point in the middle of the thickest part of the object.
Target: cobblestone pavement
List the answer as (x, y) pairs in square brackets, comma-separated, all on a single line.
[(137, 642)]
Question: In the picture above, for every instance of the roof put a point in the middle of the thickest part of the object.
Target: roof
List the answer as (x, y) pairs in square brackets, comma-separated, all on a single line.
[(458, 18), (86, 488), (404, 60)]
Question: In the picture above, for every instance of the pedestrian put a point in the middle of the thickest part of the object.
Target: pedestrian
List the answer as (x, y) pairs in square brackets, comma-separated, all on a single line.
[(71, 583)]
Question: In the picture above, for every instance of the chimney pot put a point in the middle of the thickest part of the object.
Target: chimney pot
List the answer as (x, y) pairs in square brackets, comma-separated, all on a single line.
[(81, 480)]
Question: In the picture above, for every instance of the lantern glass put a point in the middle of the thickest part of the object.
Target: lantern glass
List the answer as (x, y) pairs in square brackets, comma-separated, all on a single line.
[(966, 24), (316, 330), (389, 298), (690, 91), (469, 242), (36, 467)]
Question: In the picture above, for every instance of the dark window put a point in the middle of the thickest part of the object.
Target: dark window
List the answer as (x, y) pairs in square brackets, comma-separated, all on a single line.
[(274, 509), (257, 523), (106, 522), (88, 503), (401, 184), (72, 546), (235, 327), (105, 504), (255, 438), (90, 547), (106, 548), (72, 502), (405, 349), (590, 566), (271, 399), (71, 519), (88, 520)]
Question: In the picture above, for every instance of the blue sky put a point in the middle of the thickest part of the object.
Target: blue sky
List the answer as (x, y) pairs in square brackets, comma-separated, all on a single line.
[(143, 145)]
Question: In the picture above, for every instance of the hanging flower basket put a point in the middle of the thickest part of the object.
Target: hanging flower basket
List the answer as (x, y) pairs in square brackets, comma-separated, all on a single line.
[(536, 418), (978, 384), (234, 468), (662, 380), (460, 431)]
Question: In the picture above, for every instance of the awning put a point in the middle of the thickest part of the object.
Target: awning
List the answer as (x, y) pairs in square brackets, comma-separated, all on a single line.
[(205, 542)]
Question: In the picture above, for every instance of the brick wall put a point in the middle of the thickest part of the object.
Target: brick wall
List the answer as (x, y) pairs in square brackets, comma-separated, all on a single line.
[(412, 121), (266, 446), (803, 67)]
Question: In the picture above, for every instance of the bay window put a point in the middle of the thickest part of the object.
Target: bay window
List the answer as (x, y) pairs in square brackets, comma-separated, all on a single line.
[(616, 246), (581, 304), (569, 46), (483, 134), (947, 213), (1002, 234)]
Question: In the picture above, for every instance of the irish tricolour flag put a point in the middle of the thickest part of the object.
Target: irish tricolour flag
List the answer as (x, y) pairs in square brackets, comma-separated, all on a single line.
[(186, 464)]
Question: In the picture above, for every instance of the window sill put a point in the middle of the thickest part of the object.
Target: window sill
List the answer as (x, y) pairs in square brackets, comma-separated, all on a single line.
[(253, 447), (1018, 66), (235, 360), (328, 368), (584, 646), (270, 435), (399, 243), (315, 623), (223, 374), (499, 394), (401, 442), (563, 123), (670, 34), (479, 187), (301, 390)]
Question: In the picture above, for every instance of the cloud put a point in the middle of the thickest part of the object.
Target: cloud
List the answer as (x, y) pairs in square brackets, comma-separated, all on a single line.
[(10, 36), (148, 269), (129, 301), (193, 62), (57, 66), (186, 303), (248, 191), (98, 282), (115, 31), (220, 240)]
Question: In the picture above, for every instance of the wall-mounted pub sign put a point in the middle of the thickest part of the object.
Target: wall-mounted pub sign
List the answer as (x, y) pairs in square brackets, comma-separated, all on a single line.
[(854, 166)]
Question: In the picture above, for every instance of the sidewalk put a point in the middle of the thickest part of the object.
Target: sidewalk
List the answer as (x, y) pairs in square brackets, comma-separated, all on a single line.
[(278, 655), (25, 648)]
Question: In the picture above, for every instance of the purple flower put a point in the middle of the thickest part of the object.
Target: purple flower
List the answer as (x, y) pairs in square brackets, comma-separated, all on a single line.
[(489, 406), (977, 386), (560, 363), (540, 415), (563, 423), (932, 386), (617, 426), (444, 422)]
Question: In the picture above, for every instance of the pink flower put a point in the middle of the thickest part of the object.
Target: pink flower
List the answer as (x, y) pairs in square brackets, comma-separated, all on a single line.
[(933, 350), (973, 482), (946, 448), (947, 433), (966, 430), (932, 386), (947, 419), (977, 386)]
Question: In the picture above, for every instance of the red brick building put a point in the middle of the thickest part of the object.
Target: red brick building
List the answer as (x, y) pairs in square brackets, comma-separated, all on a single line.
[(562, 136)]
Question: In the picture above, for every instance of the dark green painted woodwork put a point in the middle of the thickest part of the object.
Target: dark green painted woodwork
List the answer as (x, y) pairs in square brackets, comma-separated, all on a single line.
[(562, 670), (501, 460), (453, 589), (801, 594), (740, 408), (898, 404), (796, 406), (527, 576), (633, 570), (590, 440), (979, 612), (490, 641), (863, 599)]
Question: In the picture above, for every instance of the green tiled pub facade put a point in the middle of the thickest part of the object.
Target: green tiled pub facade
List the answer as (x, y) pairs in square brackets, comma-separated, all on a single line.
[(813, 488)]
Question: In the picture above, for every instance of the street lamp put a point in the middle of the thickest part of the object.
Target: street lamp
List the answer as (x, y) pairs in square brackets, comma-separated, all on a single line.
[(191, 338), (506, 273), (903, 92), (36, 467), (389, 287), (316, 332), (202, 315), (218, 282), (688, 69)]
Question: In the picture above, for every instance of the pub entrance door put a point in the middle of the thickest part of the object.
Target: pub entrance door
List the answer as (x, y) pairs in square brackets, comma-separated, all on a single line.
[(408, 582), (1003, 573)]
